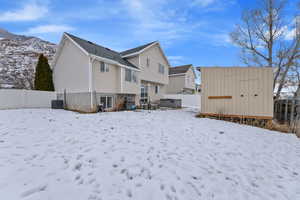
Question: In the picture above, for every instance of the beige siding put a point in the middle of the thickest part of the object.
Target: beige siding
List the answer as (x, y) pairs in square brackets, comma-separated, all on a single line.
[(106, 82), (155, 97), (113, 81), (71, 71), (176, 84), (130, 87), (250, 88), (151, 73)]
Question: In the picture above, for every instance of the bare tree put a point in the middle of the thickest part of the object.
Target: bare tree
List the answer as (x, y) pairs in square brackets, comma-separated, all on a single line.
[(261, 36)]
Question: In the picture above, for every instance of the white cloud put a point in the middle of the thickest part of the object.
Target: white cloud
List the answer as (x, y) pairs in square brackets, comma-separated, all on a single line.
[(176, 60), (158, 20), (51, 28), (29, 12), (212, 5), (290, 34), (203, 3)]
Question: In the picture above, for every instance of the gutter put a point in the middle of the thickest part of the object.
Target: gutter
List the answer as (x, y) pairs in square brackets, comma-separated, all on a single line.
[(112, 62)]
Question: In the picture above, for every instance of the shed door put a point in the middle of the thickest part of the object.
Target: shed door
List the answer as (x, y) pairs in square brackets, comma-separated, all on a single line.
[(249, 95)]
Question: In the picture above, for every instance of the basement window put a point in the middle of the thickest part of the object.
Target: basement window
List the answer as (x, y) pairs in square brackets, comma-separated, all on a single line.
[(106, 101)]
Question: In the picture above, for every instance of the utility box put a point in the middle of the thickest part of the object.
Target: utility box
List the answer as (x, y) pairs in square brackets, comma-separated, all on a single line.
[(170, 103), (245, 92), (57, 104)]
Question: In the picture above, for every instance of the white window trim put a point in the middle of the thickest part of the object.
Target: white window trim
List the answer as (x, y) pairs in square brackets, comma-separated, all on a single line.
[(161, 68), (106, 67), (132, 74), (158, 89), (106, 97)]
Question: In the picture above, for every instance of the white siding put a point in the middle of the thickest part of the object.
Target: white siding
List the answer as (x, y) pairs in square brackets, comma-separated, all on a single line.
[(71, 71), (188, 100), (11, 99), (106, 82)]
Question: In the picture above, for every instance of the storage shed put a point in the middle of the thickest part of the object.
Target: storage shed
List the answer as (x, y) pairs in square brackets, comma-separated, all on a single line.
[(245, 92)]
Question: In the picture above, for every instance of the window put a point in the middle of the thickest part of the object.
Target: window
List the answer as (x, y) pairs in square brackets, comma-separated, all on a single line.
[(106, 101), (104, 67), (128, 75), (161, 68), (144, 94), (156, 89), (134, 78), (148, 62)]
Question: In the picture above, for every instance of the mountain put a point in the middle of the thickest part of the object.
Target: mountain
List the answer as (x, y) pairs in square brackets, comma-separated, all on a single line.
[(18, 58)]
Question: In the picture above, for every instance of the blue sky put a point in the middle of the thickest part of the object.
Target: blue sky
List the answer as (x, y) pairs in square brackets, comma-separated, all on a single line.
[(190, 31)]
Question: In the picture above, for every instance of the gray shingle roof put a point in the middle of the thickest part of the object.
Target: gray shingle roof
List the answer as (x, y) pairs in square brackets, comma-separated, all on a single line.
[(136, 49), (179, 69), (101, 51)]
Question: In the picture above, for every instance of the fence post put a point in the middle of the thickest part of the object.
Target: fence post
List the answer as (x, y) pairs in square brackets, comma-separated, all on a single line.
[(65, 99), (292, 111), (286, 110)]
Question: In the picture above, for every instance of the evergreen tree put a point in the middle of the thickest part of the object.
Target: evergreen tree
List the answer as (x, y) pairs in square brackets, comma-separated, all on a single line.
[(43, 75)]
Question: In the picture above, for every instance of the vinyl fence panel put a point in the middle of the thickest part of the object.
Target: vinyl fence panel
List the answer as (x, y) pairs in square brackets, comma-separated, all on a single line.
[(188, 100), (14, 98)]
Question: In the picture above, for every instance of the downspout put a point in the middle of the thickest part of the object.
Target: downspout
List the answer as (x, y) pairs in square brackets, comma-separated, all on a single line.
[(91, 80), (121, 80)]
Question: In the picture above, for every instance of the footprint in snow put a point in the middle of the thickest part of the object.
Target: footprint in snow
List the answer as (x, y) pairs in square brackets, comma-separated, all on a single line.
[(34, 190), (129, 193)]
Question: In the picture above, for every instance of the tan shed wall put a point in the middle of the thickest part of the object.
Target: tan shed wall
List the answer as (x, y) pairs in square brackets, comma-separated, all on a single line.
[(237, 81)]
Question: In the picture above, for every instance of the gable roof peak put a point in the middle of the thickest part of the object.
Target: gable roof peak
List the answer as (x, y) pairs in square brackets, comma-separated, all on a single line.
[(179, 69), (137, 49), (100, 51)]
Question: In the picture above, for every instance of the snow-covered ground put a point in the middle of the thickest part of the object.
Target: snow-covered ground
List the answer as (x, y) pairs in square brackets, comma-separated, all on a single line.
[(60, 155)]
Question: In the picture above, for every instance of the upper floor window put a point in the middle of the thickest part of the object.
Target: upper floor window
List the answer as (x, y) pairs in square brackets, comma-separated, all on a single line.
[(104, 67), (148, 62), (161, 68), (130, 76)]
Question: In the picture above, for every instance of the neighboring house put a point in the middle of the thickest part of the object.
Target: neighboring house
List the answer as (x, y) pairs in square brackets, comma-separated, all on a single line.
[(243, 92), (86, 74), (181, 80), (198, 88)]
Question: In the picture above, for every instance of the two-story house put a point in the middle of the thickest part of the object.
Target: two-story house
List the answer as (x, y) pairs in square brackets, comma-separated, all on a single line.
[(181, 80), (86, 74)]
